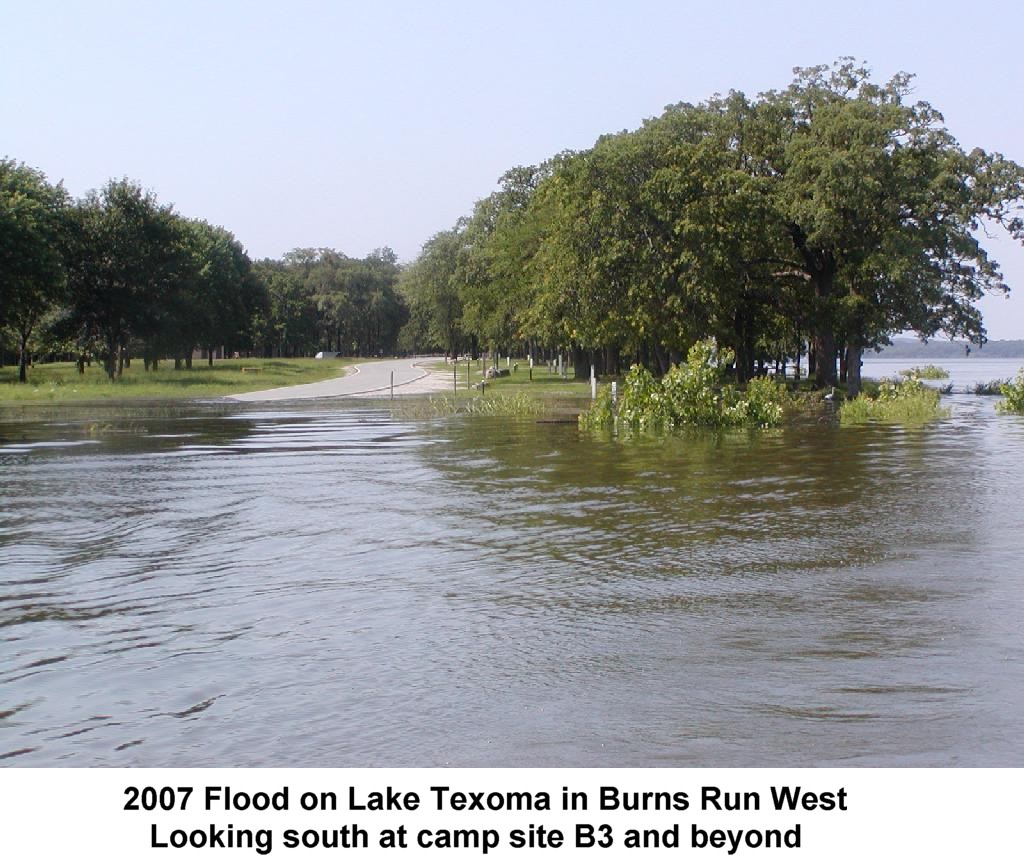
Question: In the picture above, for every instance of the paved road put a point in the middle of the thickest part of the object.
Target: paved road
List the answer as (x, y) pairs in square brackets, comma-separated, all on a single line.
[(366, 378)]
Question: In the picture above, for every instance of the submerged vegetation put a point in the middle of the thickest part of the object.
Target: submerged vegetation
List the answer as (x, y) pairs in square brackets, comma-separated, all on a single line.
[(1013, 395), (905, 401), (992, 387), (511, 404), (693, 394), (925, 372)]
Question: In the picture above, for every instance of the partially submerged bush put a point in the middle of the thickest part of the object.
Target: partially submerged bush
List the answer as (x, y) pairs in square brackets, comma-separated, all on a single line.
[(992, 387), (907, 401), (1013, 395), (925, 372), (693, 394)]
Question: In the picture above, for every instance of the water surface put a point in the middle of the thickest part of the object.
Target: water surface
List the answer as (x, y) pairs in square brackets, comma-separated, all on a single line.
[(333, 585)]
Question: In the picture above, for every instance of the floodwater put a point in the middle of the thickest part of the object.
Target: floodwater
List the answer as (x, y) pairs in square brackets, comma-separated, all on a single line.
[(335, 585)]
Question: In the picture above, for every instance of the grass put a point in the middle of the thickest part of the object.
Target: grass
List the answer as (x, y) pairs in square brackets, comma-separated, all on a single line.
[(61, 382), (926, 372)]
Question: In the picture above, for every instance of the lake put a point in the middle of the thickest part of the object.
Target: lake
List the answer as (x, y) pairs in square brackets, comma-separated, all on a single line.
[(336, 585)]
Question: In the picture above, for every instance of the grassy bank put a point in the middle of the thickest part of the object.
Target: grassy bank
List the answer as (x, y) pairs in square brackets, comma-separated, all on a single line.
[(60, 381)]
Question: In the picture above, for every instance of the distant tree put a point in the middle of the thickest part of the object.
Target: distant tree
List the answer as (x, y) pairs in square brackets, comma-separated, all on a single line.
[(432, 287), (32, 276), (125, 260)]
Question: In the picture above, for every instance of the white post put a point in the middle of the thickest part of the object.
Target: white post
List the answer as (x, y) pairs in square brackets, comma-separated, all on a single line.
[(593, 384), (615, 393), (508, 362)]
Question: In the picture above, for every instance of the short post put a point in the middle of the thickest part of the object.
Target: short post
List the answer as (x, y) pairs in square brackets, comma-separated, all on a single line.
[(615, 394), (392, 385), (508, 362), (593, 384)]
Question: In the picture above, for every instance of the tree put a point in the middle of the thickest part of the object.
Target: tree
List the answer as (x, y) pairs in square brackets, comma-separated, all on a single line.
[(432, 287), (882, 207), (125, 260), (32, 276)]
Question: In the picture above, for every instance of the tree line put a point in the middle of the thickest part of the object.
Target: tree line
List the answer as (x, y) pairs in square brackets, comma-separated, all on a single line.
[(116, 274), (819, 220)]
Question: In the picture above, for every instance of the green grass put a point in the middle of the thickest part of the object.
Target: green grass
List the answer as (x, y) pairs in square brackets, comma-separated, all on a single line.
[(60, 381)]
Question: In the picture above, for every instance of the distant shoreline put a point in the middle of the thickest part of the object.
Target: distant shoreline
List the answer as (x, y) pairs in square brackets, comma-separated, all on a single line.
[(911, 348)]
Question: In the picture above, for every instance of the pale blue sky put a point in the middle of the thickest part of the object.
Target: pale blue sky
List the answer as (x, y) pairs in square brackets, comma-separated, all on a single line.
[(358, 125)]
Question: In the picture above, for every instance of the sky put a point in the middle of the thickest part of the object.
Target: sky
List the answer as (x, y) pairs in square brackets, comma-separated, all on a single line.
[(363, 125)]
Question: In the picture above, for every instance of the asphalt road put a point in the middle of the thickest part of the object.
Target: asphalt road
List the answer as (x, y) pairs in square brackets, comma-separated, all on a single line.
[(367, 378)]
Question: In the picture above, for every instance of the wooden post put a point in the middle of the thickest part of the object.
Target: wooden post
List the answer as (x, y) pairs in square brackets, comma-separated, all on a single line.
[(455, 377), (392, 385)]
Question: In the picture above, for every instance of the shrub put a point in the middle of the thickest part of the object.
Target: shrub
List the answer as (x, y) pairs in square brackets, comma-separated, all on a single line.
[(906, 401), (992, 387), (927, 372), (1013, 395), (693, 394)]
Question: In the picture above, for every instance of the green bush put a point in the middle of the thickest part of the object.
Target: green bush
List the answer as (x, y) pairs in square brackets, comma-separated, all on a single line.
[(1013, 395), (693, 394), (906, 401)]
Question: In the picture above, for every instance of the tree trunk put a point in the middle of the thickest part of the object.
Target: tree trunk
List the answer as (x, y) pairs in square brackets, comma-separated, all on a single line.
[(209, 357), (825, 358), (854, 353), (23, 358), (110, 363), (661, 356), (580, 366)]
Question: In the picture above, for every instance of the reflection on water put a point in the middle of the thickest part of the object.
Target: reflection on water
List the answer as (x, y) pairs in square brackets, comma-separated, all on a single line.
[(330, 586)]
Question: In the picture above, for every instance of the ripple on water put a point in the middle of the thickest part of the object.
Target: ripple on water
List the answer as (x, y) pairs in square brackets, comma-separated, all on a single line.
[(330, 586)]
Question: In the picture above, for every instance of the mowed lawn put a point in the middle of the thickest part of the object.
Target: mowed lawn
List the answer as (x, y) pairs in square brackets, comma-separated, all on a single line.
[(60, 381)]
